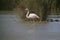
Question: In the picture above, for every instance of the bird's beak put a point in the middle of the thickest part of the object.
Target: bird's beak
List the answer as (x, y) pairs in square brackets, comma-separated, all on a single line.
[(26, 9)]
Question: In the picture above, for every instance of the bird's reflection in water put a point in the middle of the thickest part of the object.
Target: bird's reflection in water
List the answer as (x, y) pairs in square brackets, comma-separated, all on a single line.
[(32, 28)]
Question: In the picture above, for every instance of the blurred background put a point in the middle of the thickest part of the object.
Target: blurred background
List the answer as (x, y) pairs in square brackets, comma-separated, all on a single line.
[(13, 26), (40, 7)]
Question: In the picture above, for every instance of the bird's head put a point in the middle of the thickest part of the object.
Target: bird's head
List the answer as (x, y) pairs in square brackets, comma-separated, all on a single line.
[(26, 9)]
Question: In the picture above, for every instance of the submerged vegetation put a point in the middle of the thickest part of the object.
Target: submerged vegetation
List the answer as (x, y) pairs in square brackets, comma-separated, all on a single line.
[(40, 7)]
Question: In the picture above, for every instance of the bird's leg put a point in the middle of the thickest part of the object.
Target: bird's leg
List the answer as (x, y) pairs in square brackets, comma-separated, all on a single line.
[(33, 20), (30, 20)]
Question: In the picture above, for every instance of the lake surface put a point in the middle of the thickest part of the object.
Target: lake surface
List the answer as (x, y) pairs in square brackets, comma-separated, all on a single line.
[(12, 29)]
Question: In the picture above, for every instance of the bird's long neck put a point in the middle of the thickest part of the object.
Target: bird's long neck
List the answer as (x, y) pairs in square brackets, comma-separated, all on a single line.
[(27, 15)]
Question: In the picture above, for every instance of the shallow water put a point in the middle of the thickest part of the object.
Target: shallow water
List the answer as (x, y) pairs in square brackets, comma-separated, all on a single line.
[(12, 29)]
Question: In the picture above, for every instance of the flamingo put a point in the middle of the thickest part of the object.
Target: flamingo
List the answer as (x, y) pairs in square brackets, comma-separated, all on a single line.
[(31, 15)]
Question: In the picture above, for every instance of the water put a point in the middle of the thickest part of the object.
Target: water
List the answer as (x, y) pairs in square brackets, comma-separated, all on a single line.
[(12, 29)]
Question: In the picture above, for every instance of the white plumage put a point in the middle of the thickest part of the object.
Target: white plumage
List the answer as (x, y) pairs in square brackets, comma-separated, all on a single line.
[(31, 15)]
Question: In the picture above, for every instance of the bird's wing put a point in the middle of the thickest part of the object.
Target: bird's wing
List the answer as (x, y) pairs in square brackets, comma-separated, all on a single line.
[(34, 15)]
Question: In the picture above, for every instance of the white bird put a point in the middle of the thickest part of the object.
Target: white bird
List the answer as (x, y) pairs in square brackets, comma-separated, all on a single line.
[(31, 15)]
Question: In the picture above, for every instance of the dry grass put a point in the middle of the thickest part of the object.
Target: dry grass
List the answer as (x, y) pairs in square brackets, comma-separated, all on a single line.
[(36, 22)]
